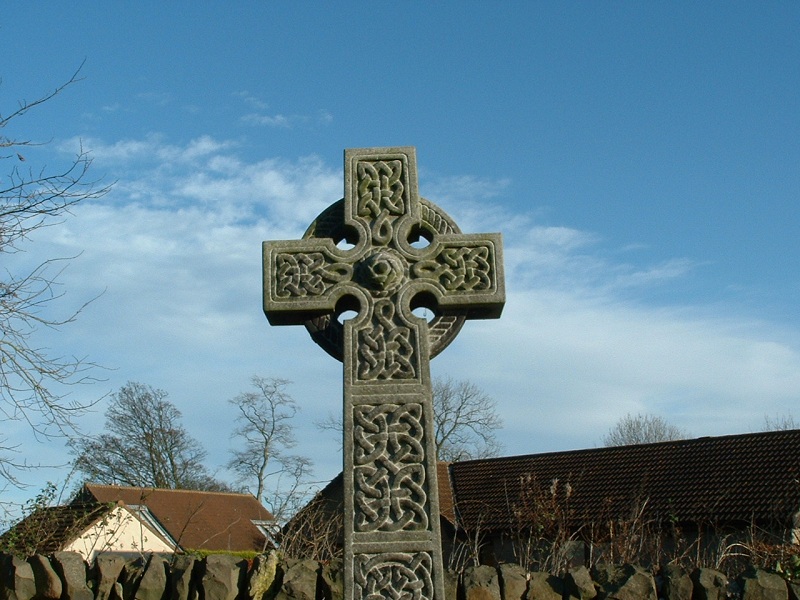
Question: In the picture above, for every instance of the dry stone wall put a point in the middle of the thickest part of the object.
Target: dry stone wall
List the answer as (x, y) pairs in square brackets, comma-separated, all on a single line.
[(65, 576)]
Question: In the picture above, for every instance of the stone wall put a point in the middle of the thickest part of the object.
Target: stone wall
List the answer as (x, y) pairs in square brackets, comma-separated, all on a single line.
[(65, 576)]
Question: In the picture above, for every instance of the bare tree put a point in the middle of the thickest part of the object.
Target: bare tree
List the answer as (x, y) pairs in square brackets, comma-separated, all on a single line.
[(642, 429), (145, 445), (32, 378), (783, 422), (465, 421), (263, 464)]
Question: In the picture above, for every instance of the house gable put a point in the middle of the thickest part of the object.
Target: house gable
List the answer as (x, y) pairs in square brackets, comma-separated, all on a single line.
[(194, 520), (118, 530)]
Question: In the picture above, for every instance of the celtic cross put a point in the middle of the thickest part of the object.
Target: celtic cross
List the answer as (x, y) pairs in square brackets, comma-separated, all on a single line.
[(404, 253)]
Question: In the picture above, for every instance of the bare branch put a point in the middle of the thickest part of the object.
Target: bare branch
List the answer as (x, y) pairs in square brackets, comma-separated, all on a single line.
[(25, 106), (782, 422), (33, 378), (465, 420), (263, 465)]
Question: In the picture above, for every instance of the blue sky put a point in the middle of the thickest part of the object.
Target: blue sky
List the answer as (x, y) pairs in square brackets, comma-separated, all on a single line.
[(640, 159)]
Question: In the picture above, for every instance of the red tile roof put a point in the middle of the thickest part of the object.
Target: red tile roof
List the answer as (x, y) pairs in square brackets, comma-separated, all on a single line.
[(195, 520), (719, 479)]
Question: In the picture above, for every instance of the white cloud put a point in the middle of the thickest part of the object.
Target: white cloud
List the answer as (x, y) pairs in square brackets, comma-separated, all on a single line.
[(251, 100), (176, 247), (564, 368), (268, 120), (151, 149)]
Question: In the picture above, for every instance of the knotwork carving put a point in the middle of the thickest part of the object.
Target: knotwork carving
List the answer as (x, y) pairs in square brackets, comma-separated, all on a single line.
[(327, 331), (394, 576), (308, 274), (458, 269), (382, 271), (381, 195), (389, 474), (387, 348)]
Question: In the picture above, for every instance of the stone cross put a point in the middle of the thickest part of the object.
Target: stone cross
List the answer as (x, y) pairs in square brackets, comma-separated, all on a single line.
[(383, 251)]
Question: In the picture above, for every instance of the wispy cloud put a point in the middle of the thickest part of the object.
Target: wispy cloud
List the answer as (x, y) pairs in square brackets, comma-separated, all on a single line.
[(269, 120), (150, 150), (251, 101), (260, 114)]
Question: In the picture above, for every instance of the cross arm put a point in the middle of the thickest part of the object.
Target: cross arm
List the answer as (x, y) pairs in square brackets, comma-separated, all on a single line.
[(464, 272), (302, 279)]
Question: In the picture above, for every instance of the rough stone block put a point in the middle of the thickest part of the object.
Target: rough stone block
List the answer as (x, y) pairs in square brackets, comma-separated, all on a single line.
[(544, 586), (73, 571), (513, 581), (264, 577), (761, 585), (450, 585), (794, 590), (17, 581), (574, 553), (299, 580), (153, 584), (222, 577), (709, 584), (332, 580), (181, 578), (636, 584), (481, 583), (677, 583), (48, 584), (108, 568), (578, 584), (129, 578), (625, 582)]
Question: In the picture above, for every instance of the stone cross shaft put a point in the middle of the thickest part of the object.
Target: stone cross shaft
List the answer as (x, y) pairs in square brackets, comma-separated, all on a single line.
[(405, 253)]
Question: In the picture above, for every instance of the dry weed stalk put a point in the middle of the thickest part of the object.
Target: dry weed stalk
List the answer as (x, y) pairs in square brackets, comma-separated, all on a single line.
[(540, 533)]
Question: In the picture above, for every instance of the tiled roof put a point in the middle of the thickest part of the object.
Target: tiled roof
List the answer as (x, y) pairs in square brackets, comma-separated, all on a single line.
[(719, 479), (49, 529), (195, 520)]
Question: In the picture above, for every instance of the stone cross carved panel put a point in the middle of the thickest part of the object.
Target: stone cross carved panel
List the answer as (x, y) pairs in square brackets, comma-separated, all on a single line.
[(383, 251)]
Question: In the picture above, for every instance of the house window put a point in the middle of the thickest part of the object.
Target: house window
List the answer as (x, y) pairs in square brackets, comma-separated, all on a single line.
[(269, 529)]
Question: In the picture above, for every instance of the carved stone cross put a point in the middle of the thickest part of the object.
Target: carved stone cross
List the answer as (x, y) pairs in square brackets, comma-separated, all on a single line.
[(405, 253)]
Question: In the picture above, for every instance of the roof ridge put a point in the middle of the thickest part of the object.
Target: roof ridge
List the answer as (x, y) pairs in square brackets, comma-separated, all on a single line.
[(157, 489), (681, 442)]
